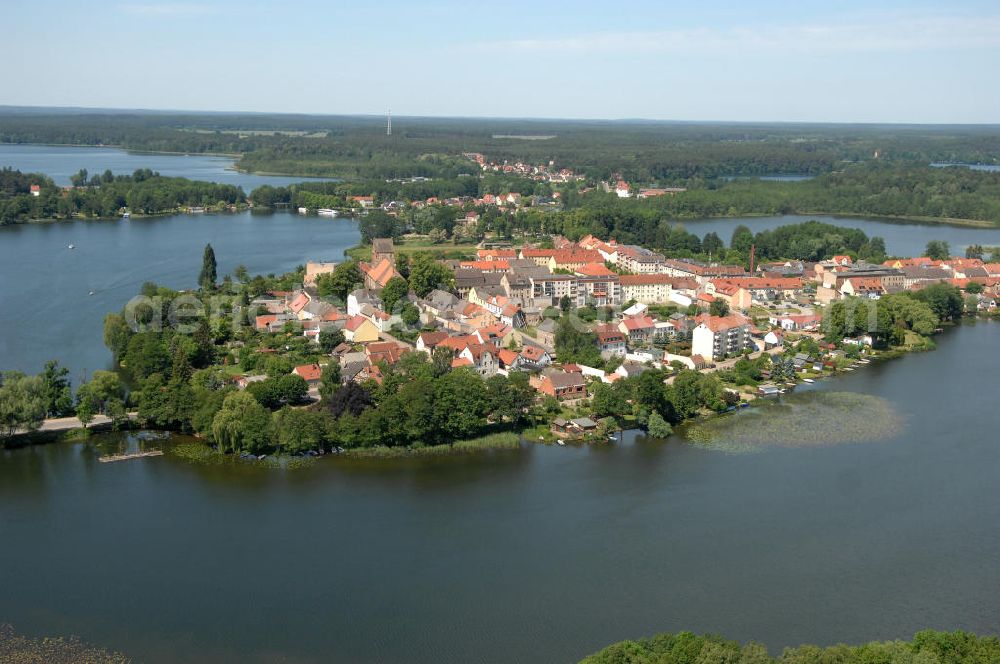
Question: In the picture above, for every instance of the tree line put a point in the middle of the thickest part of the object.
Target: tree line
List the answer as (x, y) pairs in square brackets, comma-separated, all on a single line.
[(928, 646), (357, 147), (107, 195)]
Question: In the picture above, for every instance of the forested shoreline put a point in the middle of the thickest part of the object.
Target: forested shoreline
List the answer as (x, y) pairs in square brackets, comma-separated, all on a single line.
[(358, 147), (26, 197), (861, 170)]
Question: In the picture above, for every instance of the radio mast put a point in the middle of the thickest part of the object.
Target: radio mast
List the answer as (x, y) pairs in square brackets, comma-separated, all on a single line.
[(388, 122)]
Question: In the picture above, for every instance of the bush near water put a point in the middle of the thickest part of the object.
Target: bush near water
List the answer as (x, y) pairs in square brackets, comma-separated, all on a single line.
[(926, 647)]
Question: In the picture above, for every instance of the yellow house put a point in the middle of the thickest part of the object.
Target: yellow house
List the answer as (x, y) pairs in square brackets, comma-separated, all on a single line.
[(360, 330)]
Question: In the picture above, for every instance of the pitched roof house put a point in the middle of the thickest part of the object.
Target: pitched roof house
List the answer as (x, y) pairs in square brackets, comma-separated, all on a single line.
[(561, 384), (311, 373), (377, 275), (359, 329)]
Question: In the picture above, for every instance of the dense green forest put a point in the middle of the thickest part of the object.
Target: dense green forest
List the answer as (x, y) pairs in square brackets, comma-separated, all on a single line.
[(876, 170), (107, 195), (927, 647), (357, 147)]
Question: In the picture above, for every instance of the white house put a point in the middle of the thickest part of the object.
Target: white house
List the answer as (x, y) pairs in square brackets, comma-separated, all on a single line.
[(718, 336)]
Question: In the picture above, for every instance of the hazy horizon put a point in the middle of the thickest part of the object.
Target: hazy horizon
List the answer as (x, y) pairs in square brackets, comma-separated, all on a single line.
[(108, 110), (719, 61)]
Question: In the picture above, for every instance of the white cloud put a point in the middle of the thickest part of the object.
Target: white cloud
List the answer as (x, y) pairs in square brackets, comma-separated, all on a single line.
[(167, 9), (875, 34)]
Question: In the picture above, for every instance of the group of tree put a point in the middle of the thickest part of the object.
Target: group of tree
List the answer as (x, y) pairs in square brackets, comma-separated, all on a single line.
[(889, 318), (647, 395), (422, 401), (356, 148), (180, 383), (25, 401), (107, 195)]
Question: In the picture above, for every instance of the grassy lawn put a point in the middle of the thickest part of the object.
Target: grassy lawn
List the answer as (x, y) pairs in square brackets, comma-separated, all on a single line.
[(414, 245)]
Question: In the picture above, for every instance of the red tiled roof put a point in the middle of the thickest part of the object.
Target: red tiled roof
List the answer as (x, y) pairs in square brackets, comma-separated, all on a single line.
[(298, 302), (492, 265), (751, 283), (261, 322), (381, 272), (308, 372), (538, 253), (608, 334), (571, 256), (638, 322), (493, 254), (355, 322), (719, 323), (457, 344), (533, 353), (388, 351), (507, 357), (594, 270), (432, 339)]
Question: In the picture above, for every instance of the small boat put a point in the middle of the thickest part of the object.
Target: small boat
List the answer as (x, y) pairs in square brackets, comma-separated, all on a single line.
[(808, 380), (848, 369), (326, 212), (90, 293), (72, 246), (559, 442), (126, 215)]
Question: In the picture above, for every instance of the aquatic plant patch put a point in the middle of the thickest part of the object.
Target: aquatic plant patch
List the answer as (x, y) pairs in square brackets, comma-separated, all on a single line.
[(807, 419)]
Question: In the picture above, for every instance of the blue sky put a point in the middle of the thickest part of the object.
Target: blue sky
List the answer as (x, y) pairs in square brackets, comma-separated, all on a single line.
[(697, 60)]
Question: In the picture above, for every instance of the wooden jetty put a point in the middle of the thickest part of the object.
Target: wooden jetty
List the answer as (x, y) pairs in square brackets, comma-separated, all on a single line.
[(131, 455)]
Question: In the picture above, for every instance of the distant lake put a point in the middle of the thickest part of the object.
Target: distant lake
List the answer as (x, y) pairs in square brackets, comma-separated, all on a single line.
[(902, 238), (60, 162), (974, 167), (777, 177)]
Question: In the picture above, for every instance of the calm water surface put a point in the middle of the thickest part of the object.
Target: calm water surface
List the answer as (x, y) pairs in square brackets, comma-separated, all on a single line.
[(60, 162), (46, 311), (902, 238), (541, 555)]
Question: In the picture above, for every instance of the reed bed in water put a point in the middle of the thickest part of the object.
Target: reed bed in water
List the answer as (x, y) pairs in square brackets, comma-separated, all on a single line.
[(807, 419), (493, 441), (18, 649)]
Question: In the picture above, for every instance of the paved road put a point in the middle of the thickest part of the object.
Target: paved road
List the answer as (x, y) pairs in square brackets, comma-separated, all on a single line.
[(64, 423)]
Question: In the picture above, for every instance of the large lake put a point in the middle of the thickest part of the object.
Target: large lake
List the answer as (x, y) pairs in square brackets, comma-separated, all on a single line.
[(539, 555)]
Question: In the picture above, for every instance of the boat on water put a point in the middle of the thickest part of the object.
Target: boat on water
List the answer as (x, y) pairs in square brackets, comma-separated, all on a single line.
[(72, 246), (559, 442), (126, 215), (808, 380), (326, 212), (90, 293)]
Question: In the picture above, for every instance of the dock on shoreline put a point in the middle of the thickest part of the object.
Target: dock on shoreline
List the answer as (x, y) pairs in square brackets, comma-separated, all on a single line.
[(131, 455)]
